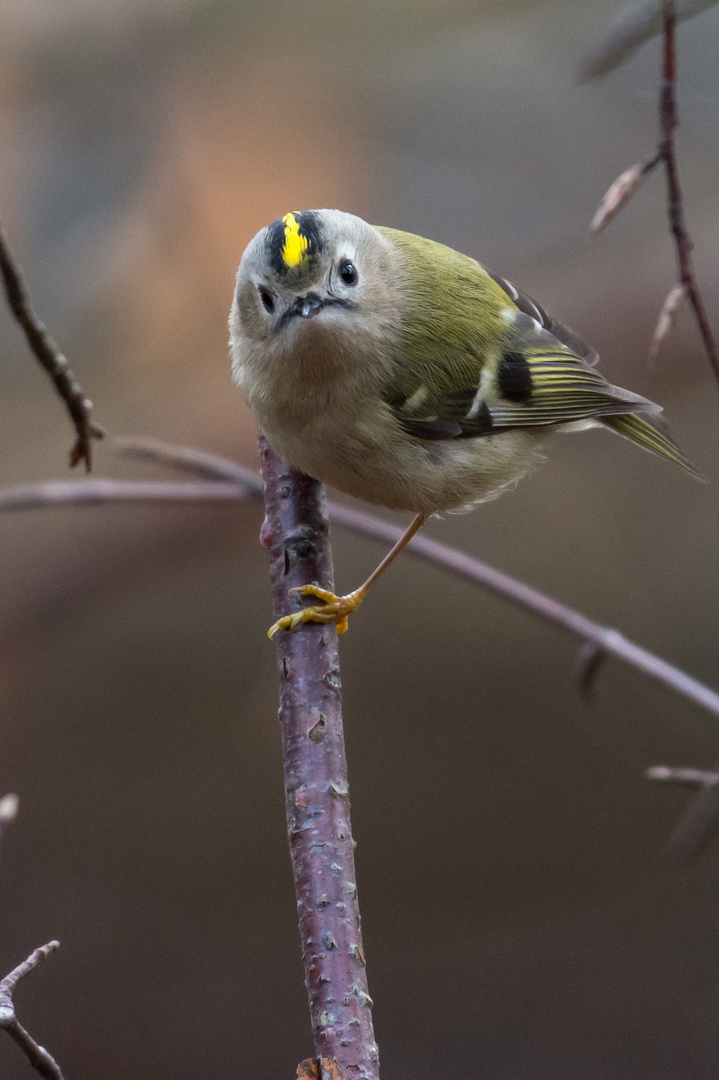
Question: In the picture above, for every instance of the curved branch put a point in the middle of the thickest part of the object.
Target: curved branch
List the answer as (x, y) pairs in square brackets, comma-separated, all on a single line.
[(604, 639), (49, 356)]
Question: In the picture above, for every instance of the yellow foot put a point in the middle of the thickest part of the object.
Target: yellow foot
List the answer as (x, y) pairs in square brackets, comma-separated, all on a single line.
[(335, 609)]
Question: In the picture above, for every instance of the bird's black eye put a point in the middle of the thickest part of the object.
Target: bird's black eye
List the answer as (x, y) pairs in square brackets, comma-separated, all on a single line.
[(267, 299), (348, 272)]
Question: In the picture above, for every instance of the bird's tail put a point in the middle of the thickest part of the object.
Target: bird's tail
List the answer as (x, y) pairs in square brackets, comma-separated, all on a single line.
[(651, 431)]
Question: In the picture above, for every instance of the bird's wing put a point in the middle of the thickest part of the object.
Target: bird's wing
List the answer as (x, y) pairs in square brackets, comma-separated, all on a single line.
[(531, 380), (478, 357)]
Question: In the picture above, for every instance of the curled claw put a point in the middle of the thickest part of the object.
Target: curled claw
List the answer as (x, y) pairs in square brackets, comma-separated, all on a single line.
[(335, 609)]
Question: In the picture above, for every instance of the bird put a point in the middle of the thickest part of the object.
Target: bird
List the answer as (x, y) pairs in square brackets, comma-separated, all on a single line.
[(407, 374)]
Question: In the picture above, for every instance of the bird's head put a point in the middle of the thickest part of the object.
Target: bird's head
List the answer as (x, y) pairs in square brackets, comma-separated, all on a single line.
[(310, 279)]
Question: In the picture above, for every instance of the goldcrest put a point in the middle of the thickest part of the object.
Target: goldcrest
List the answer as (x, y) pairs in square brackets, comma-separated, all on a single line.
[(405, 373)]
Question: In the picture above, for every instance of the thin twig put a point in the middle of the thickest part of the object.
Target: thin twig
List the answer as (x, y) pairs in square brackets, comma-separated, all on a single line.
[(32, 496), (675, 774), (603, 639), (668, 120), (50, 357), (38, 1057), (188, 459), (686, 289), (296, 534)]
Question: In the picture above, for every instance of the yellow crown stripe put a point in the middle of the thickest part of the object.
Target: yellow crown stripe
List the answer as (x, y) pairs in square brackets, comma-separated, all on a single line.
[(296, 246)]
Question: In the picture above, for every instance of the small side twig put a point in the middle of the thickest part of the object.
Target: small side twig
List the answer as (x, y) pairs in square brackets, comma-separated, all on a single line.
[(590, 659), (38, 1057), (693, 828), (49, 356), (295, 533)]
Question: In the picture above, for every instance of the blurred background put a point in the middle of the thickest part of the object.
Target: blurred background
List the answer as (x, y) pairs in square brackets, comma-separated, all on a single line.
[(519, 921)]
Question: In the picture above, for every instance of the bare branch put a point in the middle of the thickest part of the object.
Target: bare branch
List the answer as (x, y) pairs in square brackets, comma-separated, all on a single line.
[(604, 638), (601, 638), (665, 15), (38, 1057), (667, 149), (631, 29), (60, 492), (50, 357), (188, 459), (296, 535)]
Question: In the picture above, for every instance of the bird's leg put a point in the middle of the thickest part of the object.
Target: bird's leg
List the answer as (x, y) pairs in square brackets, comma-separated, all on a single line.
[(337, 609)]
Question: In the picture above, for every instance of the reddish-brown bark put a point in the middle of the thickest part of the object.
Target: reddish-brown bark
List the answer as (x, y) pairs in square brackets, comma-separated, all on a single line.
[(295, 533)]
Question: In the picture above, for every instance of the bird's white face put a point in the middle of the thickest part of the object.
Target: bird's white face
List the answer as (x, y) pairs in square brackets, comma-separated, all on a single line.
[(300, 274), (314, 298)]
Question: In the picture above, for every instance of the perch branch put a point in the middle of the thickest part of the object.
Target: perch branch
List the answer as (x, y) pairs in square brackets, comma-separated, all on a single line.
[(295, 533), (38, 1057), (49, 356), (601, 641)]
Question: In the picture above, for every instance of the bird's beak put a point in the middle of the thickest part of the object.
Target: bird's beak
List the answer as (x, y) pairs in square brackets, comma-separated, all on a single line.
[(307, 306)]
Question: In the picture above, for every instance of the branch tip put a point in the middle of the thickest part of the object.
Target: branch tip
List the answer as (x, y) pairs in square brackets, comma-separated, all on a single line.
[(9, 806), (679, 775), (8, 984)]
